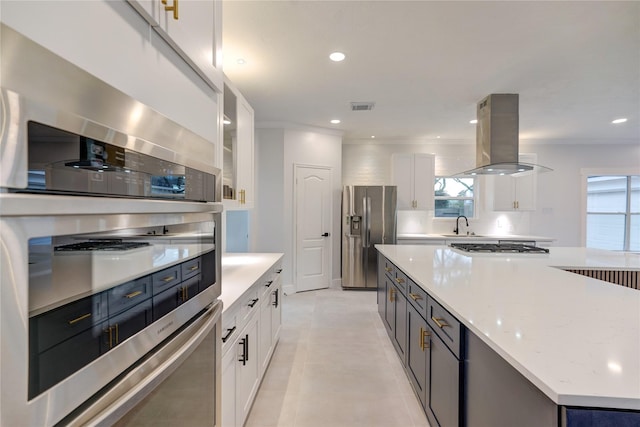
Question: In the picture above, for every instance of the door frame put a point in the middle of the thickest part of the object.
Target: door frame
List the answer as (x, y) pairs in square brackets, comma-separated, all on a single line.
[(294, 200)]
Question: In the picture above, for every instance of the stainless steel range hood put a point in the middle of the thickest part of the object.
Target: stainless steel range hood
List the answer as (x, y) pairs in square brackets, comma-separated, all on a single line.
[(497, 138)]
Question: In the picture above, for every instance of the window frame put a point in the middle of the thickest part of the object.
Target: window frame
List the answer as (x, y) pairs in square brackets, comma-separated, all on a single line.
[(586, 174), (474, 198)]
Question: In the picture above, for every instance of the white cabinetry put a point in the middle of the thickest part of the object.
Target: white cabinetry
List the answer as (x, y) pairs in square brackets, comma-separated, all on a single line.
[(414, 175), (193, 28), (251, 329), (516, 193), (238, 185)]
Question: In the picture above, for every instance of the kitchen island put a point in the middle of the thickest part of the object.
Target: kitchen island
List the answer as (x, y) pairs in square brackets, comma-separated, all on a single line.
[(574, 338)]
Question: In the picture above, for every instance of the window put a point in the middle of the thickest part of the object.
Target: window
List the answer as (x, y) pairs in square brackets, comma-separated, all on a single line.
[(454, 196), (613, 212)]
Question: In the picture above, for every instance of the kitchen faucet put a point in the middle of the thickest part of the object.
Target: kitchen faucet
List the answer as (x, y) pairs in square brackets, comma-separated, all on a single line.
[(457, 229)]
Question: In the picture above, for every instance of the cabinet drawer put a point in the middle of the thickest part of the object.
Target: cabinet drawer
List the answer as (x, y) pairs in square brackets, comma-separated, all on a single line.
[(401, 281), (230, 330), (128, 294), (60, 324), (164, 279), (249, 305), (417, 297), (446, 326), (191, 268), (389, 268)]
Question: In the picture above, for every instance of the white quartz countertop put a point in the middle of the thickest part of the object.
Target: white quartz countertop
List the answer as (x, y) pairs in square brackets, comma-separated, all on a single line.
[(575, 338), (240, 271), (480, 236)]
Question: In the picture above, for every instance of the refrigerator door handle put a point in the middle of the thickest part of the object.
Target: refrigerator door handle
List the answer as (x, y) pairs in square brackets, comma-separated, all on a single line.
[(367, 222)]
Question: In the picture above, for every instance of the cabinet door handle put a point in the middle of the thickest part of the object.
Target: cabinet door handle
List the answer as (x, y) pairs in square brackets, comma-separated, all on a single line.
[(415, 297), (246, 348), (77, 319), (269, 283), (424, 335), (253, 302), (173, 8), (391, 293), (517, 204), (275, 293), (388, 269), (400, 280), (439, 321), (243, 356), (228, 334)]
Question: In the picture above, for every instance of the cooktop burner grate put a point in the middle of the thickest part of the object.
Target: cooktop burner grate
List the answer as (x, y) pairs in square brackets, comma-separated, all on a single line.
[(498, 247), (100, 245)]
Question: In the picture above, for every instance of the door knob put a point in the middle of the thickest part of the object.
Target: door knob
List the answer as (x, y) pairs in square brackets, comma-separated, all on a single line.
[(325, 234)]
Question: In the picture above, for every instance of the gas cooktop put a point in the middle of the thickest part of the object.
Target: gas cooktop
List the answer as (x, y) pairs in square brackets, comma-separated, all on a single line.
[(498, 247), (100, 245)]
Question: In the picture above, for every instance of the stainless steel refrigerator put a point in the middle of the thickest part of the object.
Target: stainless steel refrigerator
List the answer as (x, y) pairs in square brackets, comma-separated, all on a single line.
[(368, 218)]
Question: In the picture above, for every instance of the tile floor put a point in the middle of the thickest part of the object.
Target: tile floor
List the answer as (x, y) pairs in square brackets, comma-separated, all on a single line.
[(334, 367)]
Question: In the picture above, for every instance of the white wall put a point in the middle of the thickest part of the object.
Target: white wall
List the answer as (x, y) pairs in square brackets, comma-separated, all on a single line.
[(277, 151), (558, 213)]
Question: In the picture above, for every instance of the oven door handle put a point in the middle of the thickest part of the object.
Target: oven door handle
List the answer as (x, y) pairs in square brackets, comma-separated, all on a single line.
[(148, 375)]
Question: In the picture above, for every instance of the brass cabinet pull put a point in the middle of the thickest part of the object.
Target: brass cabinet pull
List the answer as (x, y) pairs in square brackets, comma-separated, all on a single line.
[(195, 267), (391, 294), (388, 269), (400, 280), (440, 322), (117, 334), (415, 297), (168, 279), (517, 204), (133, 294), (173, 8), (110, 332), (243, 199), (423, 335), (77, 319)]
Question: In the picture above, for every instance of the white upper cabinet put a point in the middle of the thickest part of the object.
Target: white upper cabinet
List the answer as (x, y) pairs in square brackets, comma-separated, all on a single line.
[(516, 193), (193, 28), (238, 183), (414, 175)]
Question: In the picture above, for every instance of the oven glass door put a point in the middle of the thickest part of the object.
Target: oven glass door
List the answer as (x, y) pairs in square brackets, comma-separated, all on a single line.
[(86, 296)]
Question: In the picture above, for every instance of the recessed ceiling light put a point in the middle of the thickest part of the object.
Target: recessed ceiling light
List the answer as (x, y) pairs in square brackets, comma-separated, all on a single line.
[(616, 121), (335, 121), (373, 136), (438, 137), (473, 122), (337, 56), (241, 61)]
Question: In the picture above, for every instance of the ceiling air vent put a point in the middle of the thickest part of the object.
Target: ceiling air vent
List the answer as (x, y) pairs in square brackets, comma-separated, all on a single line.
[(362, 106)]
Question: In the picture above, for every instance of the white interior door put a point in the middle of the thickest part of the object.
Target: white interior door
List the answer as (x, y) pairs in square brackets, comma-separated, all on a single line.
[(313, 226)]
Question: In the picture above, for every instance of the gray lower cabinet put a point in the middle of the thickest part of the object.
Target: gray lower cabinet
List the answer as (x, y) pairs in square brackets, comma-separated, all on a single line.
[(418, 354), (433, 367), (445, 375)]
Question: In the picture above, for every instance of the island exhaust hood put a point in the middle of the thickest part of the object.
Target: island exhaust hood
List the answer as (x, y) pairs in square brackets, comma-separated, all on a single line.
[(497, 138)]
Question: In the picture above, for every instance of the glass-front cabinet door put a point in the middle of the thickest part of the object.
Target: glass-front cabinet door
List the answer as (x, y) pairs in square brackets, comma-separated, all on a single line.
[(238, 188)]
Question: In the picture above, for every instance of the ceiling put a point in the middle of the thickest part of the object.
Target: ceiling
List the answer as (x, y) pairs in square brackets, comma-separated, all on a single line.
[(426, 64)]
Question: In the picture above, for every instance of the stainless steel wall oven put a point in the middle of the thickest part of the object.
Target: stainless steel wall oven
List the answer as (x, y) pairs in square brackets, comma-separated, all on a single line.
[(109, 253)]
